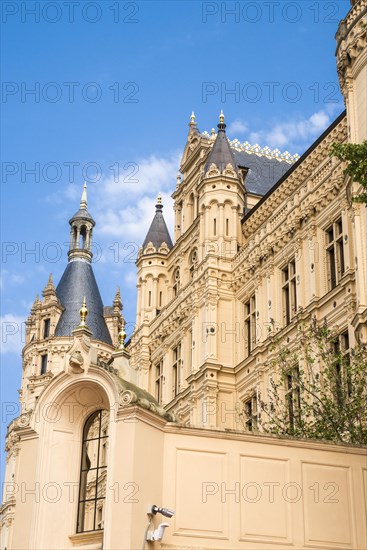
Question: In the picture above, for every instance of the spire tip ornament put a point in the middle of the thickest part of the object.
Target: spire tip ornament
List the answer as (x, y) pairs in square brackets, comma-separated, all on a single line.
[(221, 117), (83, 200), (83, 313)]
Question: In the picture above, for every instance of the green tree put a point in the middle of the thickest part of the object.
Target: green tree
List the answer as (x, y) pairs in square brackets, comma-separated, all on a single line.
[(316, 389), (356, 156)]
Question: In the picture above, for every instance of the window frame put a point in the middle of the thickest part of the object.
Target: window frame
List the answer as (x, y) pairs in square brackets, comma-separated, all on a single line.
[(250, 324), (98, 519), (289, 291), (176, 369), (335, 258)]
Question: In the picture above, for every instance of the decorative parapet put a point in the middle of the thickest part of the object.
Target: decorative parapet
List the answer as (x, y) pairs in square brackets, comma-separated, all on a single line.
[(261, 151)]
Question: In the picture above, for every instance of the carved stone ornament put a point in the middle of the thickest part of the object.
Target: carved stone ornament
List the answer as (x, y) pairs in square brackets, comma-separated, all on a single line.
[(213, 171), (76, 362)]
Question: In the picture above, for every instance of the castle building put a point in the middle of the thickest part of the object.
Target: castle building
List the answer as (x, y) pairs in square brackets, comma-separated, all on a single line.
[(115, 434)]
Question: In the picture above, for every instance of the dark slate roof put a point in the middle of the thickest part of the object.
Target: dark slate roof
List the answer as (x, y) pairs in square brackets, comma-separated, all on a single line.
[(78, 281), (82, 214), (221, 153), (158, 232), (263, 172)]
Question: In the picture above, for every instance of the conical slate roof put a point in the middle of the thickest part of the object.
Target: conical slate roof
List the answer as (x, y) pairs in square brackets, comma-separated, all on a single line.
[(221, 154), (78, 281), (158, 232)]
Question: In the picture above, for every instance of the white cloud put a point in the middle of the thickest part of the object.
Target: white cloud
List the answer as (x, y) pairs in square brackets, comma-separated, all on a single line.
[(7, 278), (12, 334), (237, 127), (292, 133)]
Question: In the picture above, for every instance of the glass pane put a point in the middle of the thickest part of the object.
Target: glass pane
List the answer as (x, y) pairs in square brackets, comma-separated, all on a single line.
[(90, 491), (103, 452), (102, 480), (90, 454), (92, 427)]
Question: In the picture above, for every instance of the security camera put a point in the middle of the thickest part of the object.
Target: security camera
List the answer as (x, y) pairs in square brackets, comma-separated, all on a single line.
[(166, 512)]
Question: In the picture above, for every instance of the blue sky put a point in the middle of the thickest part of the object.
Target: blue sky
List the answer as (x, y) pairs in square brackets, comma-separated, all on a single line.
[(114, 84)]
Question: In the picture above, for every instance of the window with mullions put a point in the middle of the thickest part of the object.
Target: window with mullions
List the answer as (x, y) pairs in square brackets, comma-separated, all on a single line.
[(335, 253), (289, 292), (250, 325), (93, 473)]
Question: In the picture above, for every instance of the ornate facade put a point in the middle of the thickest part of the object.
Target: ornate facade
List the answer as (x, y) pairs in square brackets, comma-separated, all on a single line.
[(261, 239)]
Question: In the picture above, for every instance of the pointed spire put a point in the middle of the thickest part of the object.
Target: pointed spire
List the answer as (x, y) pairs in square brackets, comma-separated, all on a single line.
[(83, 200), (117, 302), (158, 232), (36, 303), (49, 289), (221, 154)]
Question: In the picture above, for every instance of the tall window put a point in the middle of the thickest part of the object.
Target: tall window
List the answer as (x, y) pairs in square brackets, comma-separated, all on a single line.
[(176, 282), (176, 370), (293, 397), (250, 412), (250, 325), (335, 253), (46, 328), (93, 473), (289, 292), (159, 381), (44, 359)]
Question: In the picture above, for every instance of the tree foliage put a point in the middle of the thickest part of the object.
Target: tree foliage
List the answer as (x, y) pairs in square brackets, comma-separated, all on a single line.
[(356, 156), (316, 390)]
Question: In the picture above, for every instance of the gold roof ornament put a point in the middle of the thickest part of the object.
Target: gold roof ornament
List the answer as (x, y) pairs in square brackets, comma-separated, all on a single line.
[(83, 313), (221, 117), (192, 118), (159, 200), (122, 336), (83, 200)]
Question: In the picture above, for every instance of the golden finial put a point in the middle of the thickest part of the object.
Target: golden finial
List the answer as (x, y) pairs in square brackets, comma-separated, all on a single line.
[(83, 313), (159, 199), (122, 336), (221, 117), (192, 118), (83, 200)]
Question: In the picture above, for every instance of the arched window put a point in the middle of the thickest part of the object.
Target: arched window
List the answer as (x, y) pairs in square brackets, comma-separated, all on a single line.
[(93, 473)]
